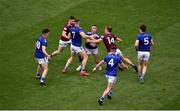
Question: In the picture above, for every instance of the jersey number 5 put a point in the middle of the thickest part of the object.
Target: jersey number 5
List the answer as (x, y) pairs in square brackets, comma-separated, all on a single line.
[(146, 41), (111, 62)]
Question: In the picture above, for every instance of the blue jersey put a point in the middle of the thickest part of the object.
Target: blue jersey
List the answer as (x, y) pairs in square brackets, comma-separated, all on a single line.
[(41, 41), (112, 62), (144, 42), (76, 37), (92, 45)]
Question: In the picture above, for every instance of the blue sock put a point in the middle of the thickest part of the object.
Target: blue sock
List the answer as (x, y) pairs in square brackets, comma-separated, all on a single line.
[(42, 79), (37, 74)]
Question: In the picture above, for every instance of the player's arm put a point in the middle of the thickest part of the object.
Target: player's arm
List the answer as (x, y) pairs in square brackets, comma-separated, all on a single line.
[(93, 40), (98, 65), (83, 35), (136, 44), (119, 39), (44, 51), (152, 42)]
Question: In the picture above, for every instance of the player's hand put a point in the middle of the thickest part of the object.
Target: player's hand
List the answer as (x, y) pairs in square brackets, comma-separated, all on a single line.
[(125, 66), (49, 57), (94, 69)]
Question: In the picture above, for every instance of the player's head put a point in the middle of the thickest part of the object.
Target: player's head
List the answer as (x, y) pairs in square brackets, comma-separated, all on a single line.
[(93, 28), (113, 49), (45, 32), (71, 19), (142, 28), (77, 22), (108, 29)]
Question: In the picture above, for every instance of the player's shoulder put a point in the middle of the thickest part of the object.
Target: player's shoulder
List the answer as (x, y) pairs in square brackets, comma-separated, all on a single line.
[(149, 35)]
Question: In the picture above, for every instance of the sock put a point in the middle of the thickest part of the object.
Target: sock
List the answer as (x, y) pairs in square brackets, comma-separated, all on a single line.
[(42, 79), (110, 93), (66, 66), (101, 98), (142, 75), (132, 65), (37, 74), (82, 70)]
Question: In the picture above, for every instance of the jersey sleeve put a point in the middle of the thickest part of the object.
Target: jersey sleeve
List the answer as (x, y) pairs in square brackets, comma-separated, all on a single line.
[(80, 30), (120, 61), (43, 43), (137, 37), (105, 59)]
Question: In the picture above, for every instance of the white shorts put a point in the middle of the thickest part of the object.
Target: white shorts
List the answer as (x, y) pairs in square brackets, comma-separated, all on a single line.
[(118, 52), (64, 43), (42, 60), (111, 79), (143, 55), (92, 51), (75, 49)]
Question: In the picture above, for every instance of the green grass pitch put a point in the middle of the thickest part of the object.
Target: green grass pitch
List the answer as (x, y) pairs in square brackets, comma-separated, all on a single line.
[(21, 22)]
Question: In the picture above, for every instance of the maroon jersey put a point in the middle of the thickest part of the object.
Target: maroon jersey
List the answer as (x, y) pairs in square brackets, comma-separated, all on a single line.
[(66, 29), (109, 41)]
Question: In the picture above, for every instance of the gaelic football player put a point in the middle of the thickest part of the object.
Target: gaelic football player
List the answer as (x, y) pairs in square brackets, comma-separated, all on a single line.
[(42, 56), (143, 44), (112, 62)]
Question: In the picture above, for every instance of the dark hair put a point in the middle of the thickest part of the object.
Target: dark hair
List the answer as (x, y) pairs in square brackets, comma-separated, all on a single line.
[(77, 20), (94, 25), (143, 28), (109, 28), (44, 31), (71, 17)]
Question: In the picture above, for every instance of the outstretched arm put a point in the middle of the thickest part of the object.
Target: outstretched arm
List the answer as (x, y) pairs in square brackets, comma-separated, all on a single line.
[(119, 39), (99, 64), (83, 35), (93, 40)]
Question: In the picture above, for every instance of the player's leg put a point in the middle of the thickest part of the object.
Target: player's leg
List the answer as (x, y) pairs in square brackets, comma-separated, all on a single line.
[(144, 68), (96, 57), (80, 59), (128, 61), (69, 61), (105, 93), (140, 63), (62, 46), (58, 51), (108, 91), (146, 56), (39, 71), (44, 73), (84, 62)]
